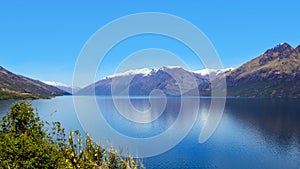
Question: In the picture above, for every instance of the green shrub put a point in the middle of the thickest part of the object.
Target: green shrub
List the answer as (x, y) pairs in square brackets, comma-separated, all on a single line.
[(28, 142)]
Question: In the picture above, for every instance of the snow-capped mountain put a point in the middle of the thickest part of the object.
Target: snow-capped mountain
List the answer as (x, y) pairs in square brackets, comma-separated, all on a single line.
[(202, 72), (61, 86), (205, 72), (143, 71), (172, 80), (212, 74)]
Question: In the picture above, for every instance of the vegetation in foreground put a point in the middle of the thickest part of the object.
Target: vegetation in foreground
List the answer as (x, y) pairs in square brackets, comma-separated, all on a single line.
[(28, 142)]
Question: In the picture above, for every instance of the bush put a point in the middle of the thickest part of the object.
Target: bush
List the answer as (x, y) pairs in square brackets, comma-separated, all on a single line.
[(28, 142)]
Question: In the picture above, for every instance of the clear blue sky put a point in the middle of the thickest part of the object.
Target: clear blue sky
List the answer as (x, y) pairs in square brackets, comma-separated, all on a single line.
[(42, 39)]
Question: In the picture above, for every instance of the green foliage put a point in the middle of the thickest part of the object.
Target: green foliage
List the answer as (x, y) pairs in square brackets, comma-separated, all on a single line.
[(25, 143), (91, 155)]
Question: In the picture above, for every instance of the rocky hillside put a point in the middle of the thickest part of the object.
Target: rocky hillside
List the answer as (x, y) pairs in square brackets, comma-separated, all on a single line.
[(14, 86), (276, 73)]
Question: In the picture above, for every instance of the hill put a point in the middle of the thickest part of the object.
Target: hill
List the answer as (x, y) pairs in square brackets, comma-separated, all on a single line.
[(276, 73), (13, 86)]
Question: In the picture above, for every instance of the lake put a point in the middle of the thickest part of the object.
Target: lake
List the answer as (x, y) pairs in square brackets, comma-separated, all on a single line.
[(253, 133)]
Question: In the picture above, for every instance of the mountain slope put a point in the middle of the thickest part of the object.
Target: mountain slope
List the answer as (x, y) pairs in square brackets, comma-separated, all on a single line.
[(143, 81), (14, 86), (276, 73)]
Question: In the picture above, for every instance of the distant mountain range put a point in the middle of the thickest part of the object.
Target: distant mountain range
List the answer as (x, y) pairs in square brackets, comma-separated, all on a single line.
[(276, 73), (64, 87), (172, 80), (143, 81), (14, 86)]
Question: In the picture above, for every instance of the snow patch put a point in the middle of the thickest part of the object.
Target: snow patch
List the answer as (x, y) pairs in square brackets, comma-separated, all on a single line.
[(147, 71), (52, 83), (144, 71), (204, 72)]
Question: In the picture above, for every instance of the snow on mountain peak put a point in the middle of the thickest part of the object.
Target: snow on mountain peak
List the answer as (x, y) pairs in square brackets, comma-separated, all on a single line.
[(171, 67), (61, 86), (144, 71), (52, 83), (147, 71), (206, 71)]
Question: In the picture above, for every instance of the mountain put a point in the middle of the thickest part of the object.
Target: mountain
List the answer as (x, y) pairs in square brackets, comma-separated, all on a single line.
[(143, 81), (213, 73), (14, 86), (64, 87), (276, 73), (298, 48)]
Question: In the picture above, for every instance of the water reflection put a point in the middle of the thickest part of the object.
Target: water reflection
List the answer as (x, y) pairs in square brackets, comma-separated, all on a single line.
[(141, 130), (4, 106), (274, 118), (253, 133)]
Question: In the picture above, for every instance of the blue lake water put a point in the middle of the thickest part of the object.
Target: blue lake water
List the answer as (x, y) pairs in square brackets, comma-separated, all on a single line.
[(253, 133)]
